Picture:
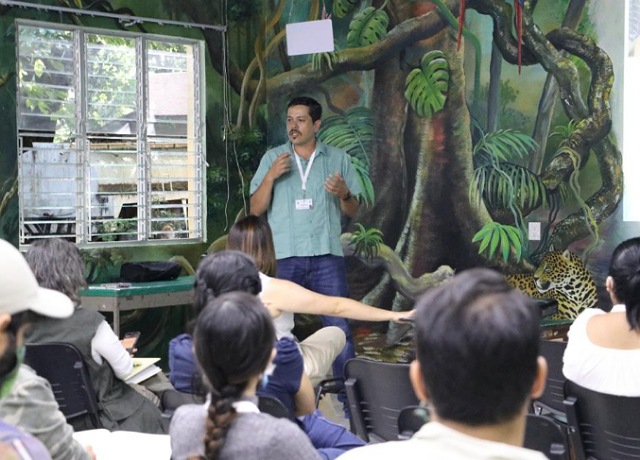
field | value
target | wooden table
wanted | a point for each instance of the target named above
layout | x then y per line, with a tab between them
117	297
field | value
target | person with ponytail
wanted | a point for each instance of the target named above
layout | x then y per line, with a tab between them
603	351
234	343
228	271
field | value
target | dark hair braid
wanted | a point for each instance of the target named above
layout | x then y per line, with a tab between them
233	341
220	415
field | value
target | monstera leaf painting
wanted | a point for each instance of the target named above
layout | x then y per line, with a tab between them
367	27
427	86
352	132
343	7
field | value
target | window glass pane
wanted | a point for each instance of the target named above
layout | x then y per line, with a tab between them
171	176
114	171
111	144
111	84
170	79
46	95
173	158
48	189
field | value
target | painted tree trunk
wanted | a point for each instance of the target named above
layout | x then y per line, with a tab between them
433	223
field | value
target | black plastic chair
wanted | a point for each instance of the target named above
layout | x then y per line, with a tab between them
334	385
552	400
62	365
377	392
602	426
410	420
274	407
545	435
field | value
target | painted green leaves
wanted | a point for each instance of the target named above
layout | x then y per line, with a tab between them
503	145
367	27
366	242
495	236
343	7
352	132
427	86
320	60
503	185
362	175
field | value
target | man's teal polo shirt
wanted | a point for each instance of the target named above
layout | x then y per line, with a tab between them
308	232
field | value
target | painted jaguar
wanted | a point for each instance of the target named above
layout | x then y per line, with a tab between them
561	275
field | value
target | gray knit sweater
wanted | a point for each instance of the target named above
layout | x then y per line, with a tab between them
251	436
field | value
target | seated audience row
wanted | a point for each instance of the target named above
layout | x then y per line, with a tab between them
477	370
228	271
477	365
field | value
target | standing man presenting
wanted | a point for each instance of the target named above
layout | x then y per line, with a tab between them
305	187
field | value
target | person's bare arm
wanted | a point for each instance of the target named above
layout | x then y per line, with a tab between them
349	206
261	198
282	295
305	398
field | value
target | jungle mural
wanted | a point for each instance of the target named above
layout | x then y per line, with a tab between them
457	167
465	121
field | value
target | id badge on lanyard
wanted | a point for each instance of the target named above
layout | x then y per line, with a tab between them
304	204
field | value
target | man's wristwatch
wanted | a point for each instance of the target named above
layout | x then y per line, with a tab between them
347	197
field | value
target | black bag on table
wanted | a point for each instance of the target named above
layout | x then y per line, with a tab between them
137	272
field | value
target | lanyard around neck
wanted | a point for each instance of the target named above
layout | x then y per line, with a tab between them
304	175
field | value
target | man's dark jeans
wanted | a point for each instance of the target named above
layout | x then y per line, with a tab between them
325	275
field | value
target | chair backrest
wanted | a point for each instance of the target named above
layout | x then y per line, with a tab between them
602	426
273	406
410	420
62	365
552	400
545	435
377	392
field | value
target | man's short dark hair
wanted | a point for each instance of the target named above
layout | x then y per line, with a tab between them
315	109
477	344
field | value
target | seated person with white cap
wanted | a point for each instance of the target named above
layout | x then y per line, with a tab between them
26	400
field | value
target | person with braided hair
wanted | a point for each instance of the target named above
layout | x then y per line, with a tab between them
603	351
234	343
228	271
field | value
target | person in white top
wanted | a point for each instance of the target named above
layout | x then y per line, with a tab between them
252	235
477	369
603	351
57	265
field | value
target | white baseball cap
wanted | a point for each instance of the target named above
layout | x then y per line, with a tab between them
19	290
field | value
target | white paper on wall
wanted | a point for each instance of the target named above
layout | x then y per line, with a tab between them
309	37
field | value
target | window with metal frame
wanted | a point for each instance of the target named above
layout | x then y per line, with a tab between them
111	138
